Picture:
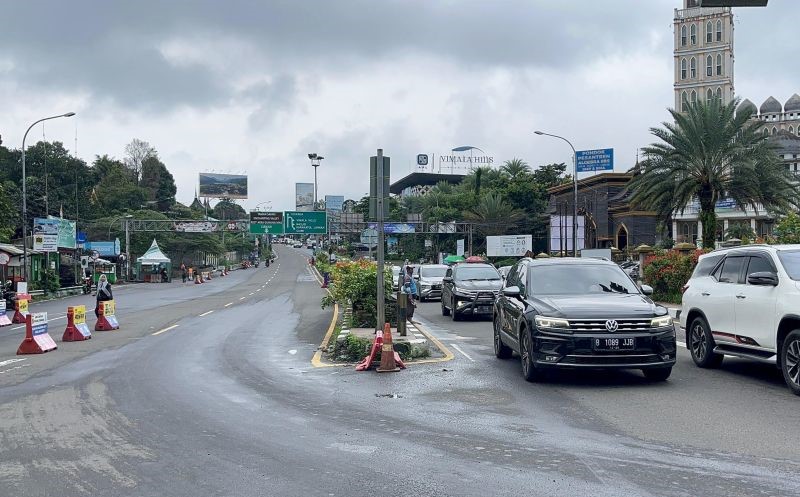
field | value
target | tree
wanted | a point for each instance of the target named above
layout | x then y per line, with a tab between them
740	231
136	152
227	209
515	169
493	215
551	175
788	229
158	184
708	154
9	213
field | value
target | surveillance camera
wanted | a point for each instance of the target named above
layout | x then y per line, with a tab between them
312	156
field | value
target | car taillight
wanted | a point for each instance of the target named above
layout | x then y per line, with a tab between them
684	288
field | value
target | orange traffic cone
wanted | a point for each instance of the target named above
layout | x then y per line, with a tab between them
388	364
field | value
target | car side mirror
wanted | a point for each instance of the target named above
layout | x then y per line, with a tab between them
447	279
764	278
511	291
647	290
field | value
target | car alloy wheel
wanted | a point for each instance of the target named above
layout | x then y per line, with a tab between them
501	351
701	345
526	356
790	361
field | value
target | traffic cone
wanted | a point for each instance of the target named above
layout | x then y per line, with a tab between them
376	345
388	364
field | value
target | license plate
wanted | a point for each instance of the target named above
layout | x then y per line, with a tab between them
485	309
614	343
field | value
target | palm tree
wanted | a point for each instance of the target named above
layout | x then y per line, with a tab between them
493	215
708	154
515	168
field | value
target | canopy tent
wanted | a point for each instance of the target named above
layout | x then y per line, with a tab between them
157	260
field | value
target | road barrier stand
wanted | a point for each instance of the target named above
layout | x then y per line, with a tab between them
106	316
77	330
210	274
4	321
37	340
20	311
197	279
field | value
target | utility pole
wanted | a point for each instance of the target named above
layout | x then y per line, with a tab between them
381	318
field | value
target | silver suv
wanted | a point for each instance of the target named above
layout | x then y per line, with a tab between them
745	301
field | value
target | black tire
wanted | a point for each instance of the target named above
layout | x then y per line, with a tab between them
529	370
445	310
701	344
657	374
790	361
501	350
453	312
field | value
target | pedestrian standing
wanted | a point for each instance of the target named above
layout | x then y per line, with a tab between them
103	293
183	273
410	289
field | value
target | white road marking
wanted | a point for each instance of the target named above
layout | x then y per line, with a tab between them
253	293
293	351
229	304
681	344
15	367
462	352
258	290
242	298
206	313
10	361
165	329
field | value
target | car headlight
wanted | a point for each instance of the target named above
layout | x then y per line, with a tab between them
661	321
545	322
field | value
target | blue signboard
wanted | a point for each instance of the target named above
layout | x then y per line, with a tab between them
394	227
111	249
595	160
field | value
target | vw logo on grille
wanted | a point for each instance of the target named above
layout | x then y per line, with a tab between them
612	325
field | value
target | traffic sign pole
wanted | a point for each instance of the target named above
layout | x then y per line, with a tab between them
381	318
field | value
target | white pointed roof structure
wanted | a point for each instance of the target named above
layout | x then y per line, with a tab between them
154	255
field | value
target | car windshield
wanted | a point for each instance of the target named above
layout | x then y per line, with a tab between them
579	279
790	259
470	273
432	272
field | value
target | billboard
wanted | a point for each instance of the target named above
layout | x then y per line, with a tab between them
304	197
595	160
334	202
45	234
508	245
66	233
214	185
561	233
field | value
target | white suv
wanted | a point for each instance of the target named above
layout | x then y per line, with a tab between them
745	301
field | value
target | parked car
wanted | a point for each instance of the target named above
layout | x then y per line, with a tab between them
396	270
470	288
743	302
297	245
429	280
581	313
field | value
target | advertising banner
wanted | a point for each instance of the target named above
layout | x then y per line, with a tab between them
107	249
460	247
214	185
508	245
595	160
304	197
45	234
109	309
561	233
334	203
195	226
394	228
67	233
22	306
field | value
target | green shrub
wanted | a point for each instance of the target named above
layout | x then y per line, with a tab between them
667	272
355	282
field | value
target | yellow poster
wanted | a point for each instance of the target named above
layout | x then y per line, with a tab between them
23	305
79	314
109	308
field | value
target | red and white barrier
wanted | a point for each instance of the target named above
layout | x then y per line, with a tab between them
77	330
37	339
106	318
20	311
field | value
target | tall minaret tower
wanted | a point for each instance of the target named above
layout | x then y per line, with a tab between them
703	54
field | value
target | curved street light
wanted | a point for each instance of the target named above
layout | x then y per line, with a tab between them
574	191
25	192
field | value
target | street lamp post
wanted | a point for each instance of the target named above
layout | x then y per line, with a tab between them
127	218
315	159
24	195
574	191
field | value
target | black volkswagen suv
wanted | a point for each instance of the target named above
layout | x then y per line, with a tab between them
470	288
581	313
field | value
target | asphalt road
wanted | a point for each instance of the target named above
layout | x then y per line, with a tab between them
226	403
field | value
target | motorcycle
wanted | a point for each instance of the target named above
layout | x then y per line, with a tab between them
258	263
87	285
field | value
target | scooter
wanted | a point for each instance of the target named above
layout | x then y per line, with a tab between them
87	285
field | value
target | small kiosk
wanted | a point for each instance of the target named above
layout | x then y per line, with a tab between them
153	265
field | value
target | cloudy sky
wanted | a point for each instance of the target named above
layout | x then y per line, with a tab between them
254	86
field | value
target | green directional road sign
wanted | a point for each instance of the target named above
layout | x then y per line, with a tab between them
266	223
305	223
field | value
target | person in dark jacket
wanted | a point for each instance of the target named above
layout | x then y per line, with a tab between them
103	293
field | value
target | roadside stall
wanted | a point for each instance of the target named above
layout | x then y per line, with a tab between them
154	266
106	267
